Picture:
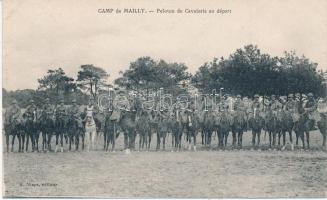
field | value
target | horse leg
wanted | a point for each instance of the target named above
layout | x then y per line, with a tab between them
226	138
302	138
258	133
234	138
279	136
125	140
19	136
270	138
70	141
140	141
194	140
240	137
307	134
27	141
13	142
57	141
49	140
158	141
104	140
253	138
23	141
164	141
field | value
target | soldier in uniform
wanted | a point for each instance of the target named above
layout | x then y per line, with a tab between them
238	104
47	108
311	108
275	105
256	106
12	113
74	110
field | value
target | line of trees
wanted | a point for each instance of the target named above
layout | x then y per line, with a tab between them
246	71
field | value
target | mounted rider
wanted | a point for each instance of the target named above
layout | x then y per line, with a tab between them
275	106
12	113
256	106
310	107
47	108
61	110
74	110
31	111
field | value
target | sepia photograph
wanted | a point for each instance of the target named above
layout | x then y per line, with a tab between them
164	99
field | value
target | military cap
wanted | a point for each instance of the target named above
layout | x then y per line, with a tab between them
61	100
256	96
31	101
47	99
14	101
290	95
310	94
273	95
238	96
74	101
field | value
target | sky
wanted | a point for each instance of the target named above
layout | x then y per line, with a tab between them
46	34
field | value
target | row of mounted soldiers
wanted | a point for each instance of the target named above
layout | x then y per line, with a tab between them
275	116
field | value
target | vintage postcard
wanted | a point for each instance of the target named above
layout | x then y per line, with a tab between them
164	98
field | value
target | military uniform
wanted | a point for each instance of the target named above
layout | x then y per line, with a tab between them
311	107
74	111
61	111
12	113
31	111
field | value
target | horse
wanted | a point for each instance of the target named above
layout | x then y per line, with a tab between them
16	127
239	124
60	130
209	127
46	125
110	129
303	125
143	129
287	125
128	124
256	124
176	129
31	131
75	129
162	131
322	125
272	125
200	116
223	129
192	130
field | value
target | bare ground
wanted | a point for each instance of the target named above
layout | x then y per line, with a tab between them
164	174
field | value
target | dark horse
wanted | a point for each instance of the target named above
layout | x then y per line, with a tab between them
209	127
238	126
256	124
60	130
273	126
75	130
46	126
193	128
223	129
128	124
110	129
163	127
287	125
32	131
16	127
322	125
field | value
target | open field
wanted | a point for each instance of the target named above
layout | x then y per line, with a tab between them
230	173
